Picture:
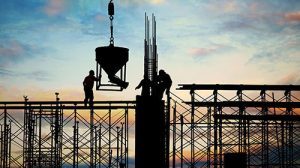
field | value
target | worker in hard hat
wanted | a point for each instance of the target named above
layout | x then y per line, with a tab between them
145	84
88	85
164	83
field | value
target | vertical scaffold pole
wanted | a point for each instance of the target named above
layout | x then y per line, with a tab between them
240	138
167	136
96	147
9	145
118	146
215	93
126	136
290	131
109	137
192	129
100	147
40	137
5	136
75	138
220	138
1	146
181	141
92	138
174	137
122	164
208	136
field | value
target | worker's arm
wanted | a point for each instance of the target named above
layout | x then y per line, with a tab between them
84	83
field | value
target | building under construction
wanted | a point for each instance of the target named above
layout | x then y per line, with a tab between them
217	126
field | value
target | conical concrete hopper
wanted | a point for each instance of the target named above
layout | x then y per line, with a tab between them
111	58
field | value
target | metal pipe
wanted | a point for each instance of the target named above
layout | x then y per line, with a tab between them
174	136
181	141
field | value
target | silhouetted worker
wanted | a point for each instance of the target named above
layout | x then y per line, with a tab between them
145	84
164	83
88	85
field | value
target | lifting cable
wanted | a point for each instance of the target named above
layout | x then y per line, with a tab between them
111	13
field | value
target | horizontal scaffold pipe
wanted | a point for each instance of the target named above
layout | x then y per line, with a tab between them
237	87
68	107
258	117
66	102
247	104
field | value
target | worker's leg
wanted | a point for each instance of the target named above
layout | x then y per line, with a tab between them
86	97
91	103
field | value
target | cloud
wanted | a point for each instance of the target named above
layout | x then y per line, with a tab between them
198	52
140	2
237	25
13	51
203	52
292	78
293	17
54	7
38	75
5	72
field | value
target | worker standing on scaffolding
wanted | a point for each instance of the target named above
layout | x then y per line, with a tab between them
164	83
145	84
88	85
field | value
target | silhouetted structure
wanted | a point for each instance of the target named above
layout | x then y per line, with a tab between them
43	150
152	140
206	130
235	160
55	134
258	120
112	60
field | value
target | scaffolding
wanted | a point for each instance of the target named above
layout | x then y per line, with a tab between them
260	124
65	134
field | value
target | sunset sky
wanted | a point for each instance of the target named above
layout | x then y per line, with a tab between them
48	46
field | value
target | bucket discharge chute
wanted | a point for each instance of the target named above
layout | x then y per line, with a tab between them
112	60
